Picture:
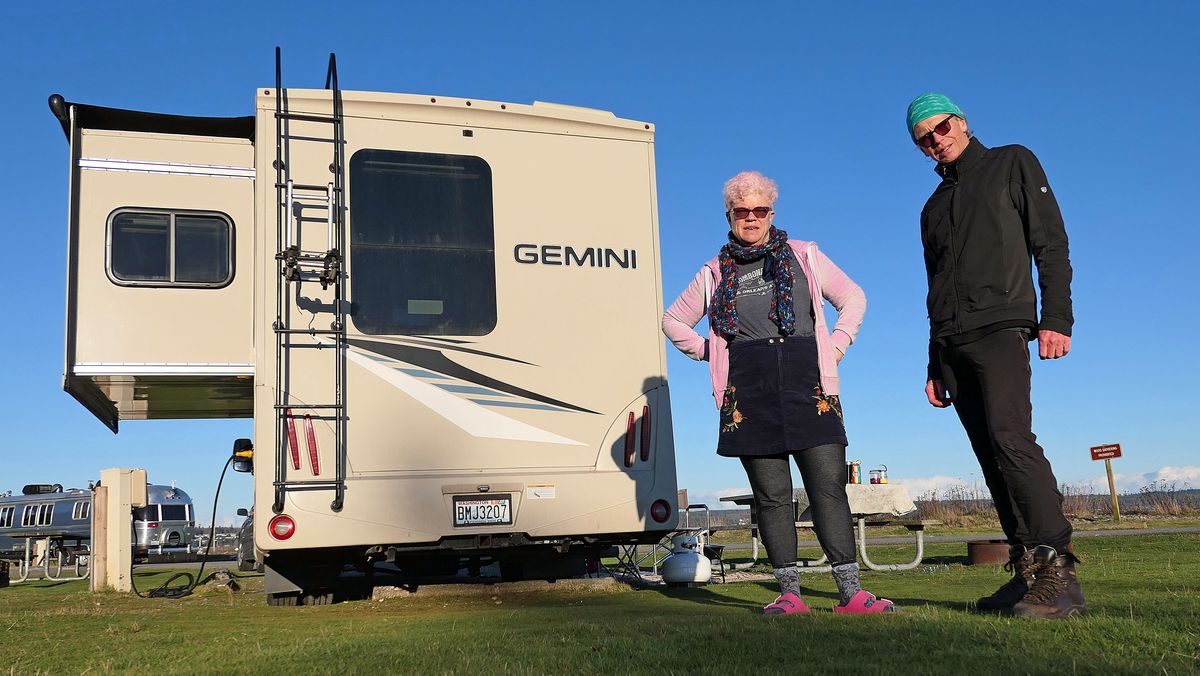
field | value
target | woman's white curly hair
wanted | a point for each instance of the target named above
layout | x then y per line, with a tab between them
749	183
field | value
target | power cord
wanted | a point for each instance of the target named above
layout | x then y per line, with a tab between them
165	590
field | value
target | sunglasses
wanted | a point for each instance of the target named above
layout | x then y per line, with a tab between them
942	129
741	213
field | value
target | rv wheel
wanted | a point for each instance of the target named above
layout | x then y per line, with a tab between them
322	598
289	599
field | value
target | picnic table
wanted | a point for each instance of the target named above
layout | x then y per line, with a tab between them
870	505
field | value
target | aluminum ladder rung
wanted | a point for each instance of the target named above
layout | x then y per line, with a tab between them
306	117
311	332
308	186
309	407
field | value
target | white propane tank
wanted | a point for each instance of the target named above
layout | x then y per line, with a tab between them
686	566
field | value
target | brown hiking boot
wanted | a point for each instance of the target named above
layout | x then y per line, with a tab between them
1003	599
1055	593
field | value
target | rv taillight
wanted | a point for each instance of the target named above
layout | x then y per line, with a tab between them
660	511
152	524
629	440
645	433
311	438
292	443
282	527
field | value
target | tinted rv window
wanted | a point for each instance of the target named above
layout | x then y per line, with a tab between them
422	250
6	517
147	513
169	248
174	512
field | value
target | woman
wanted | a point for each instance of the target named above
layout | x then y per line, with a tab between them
774	374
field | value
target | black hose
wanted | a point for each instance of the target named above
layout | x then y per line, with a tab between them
165	590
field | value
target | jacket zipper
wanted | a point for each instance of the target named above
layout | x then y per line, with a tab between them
954	256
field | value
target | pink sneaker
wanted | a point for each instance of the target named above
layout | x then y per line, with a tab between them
865	603
786	604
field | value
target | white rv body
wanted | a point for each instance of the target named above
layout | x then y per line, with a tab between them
501	359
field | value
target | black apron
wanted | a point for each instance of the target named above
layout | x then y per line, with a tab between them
774	402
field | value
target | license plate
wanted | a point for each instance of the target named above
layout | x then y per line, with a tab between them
482	510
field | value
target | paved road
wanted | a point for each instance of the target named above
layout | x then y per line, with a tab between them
968	537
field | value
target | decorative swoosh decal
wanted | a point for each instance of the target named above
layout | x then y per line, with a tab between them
432	360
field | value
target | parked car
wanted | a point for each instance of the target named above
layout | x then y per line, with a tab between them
247	557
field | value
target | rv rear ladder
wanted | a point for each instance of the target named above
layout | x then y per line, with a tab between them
296	265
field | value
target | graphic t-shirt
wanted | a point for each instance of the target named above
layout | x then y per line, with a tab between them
756	288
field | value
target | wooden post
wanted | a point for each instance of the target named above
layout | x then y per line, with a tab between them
1112	490
99	561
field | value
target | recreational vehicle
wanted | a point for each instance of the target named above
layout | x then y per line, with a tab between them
441	313
165	525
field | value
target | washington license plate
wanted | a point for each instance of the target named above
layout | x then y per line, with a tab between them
482	510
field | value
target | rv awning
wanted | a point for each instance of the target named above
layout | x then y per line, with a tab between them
99	117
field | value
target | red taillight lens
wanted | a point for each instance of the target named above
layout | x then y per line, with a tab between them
282	527
629	440
152	525
660	511
291	436
311	438
645	433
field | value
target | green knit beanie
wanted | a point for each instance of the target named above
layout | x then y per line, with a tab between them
928	105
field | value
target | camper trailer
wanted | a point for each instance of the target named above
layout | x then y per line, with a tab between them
165	525
441	313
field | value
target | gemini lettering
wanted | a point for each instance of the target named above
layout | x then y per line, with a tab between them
587	257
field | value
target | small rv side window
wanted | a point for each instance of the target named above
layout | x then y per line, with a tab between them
147	513
29	515
170	248
422	244
6	517
80	510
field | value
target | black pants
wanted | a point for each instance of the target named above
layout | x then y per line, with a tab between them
989	382
823	469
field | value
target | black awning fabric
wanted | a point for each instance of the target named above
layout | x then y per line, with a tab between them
99	117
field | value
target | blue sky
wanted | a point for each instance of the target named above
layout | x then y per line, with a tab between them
813	96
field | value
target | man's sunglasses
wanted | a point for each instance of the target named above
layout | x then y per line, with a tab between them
741	213
942	129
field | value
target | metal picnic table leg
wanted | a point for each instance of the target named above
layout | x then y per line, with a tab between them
919	534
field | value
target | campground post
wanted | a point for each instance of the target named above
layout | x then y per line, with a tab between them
1106	453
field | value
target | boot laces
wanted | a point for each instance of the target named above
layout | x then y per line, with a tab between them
1047	583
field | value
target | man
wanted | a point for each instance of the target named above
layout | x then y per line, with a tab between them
991	213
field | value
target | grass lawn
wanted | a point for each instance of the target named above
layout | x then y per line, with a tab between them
1144	594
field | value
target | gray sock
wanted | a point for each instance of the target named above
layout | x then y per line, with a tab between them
846	577
789	579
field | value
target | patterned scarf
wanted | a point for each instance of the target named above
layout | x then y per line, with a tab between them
779	260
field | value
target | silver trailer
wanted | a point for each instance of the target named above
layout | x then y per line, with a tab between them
165	525
441	313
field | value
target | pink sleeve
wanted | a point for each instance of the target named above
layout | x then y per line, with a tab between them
846	297
679	319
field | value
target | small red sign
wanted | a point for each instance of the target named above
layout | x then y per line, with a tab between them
1106	451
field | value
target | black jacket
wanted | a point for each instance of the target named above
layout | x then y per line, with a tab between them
992	212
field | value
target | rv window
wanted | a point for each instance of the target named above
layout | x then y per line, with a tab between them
147	513
29	515
174	512
6	517
46	514
422	244
80	510
168	248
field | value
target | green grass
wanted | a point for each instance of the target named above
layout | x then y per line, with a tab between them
1144	594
